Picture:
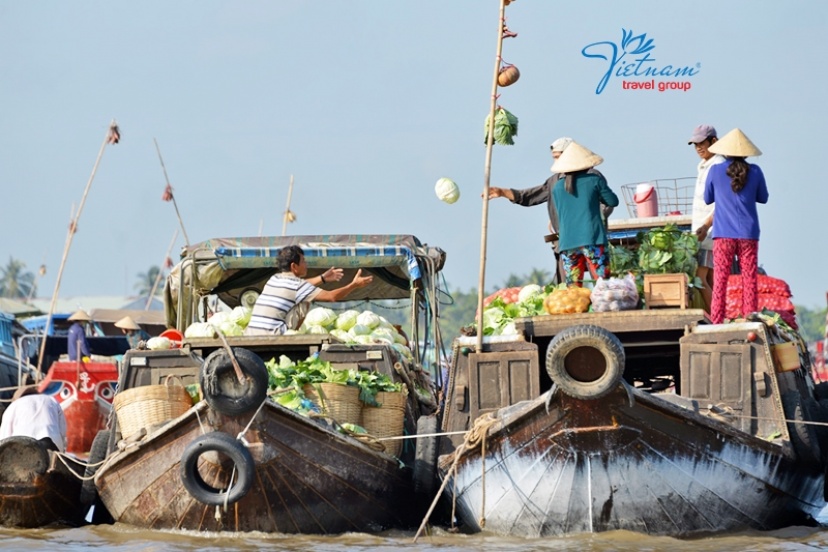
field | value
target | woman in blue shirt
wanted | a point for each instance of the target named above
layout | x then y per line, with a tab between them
736	187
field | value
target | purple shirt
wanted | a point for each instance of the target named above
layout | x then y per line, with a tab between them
735	215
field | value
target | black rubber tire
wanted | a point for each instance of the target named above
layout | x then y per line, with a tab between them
223	443
803	436
221	387
425	457
89	493
586	361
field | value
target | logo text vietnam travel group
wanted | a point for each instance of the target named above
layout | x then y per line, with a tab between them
632	59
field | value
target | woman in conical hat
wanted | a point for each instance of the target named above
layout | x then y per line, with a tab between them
132	331
736	187
578	195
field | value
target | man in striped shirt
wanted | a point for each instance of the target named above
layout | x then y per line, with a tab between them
286	297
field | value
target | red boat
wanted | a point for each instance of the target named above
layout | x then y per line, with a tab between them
84	391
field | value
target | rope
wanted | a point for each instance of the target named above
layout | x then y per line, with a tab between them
240	436
473	439
63	457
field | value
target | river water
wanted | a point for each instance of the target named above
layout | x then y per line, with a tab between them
124	538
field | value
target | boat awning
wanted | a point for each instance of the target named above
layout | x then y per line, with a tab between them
341	251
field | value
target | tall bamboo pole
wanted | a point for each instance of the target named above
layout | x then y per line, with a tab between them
112	137
288	214
161	271
487	176
172	196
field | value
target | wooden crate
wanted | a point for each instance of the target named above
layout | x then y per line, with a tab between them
666	290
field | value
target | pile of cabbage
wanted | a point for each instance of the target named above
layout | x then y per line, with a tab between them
352	326
228	323
499	315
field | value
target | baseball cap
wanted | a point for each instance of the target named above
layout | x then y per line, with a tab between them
702	133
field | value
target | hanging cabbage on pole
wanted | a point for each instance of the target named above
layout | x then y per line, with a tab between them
505	127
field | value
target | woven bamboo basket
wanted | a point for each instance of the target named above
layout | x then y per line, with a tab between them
142	407
340	402
387	420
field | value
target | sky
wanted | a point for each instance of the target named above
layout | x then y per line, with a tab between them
367	104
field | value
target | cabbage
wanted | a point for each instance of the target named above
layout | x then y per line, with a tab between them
447	190
314	329
383	334
509	329
200	329
403	350
368	318
241	316
158	343
386	324
363	339
290	332
320	316
229	328
342	335
360	329
529	291
399	338
219	318
346	320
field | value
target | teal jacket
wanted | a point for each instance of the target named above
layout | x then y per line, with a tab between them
580	213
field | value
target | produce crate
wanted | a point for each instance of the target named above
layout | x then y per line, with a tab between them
666	290
786	356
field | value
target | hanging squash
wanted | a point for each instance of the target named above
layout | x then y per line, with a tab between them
508	74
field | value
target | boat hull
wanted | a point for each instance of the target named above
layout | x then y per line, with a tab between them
308	479
629	461
31	500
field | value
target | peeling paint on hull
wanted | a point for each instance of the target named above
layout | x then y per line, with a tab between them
614	464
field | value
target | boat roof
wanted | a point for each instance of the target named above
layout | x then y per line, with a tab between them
227	267
324	251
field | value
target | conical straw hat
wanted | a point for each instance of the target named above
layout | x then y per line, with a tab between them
735	144
576	158
127	323
80	316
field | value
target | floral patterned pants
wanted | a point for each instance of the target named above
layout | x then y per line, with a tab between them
723	251
590	257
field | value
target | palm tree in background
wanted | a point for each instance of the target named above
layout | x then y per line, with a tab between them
539	276
146	280
15	282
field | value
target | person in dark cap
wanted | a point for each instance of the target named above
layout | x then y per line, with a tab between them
76	339
702	138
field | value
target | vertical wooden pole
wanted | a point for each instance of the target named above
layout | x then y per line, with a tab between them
112	136
486	179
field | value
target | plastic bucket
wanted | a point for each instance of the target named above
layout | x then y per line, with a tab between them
646	200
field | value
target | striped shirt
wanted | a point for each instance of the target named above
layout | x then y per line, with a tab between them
279	306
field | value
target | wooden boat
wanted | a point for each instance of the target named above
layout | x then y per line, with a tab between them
653	421
84	391
36	488
263	467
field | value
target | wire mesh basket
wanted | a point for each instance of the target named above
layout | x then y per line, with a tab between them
675	196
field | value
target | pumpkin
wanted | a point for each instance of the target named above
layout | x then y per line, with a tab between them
508	75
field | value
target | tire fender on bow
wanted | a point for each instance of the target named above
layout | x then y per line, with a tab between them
221	387
586	361
243	466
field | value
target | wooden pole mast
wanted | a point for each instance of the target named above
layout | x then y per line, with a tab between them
113	136
486	179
